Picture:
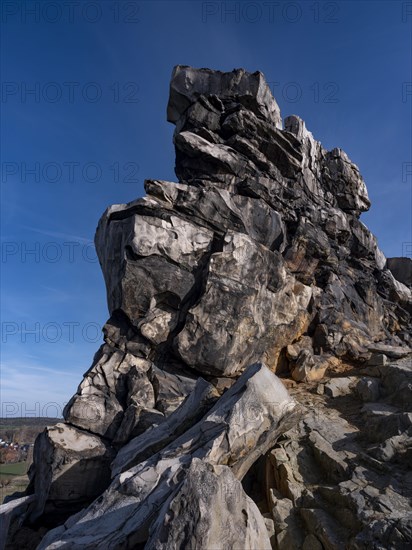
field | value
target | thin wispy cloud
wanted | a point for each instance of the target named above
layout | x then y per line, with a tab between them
58	234
31	390
20	366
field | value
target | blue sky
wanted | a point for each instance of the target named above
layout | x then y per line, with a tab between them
83	123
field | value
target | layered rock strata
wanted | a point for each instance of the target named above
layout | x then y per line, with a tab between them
254	265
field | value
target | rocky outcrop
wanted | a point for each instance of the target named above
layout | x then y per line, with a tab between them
253	266
243	424
342	477
260	241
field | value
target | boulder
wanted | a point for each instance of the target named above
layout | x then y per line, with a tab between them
307	367
71	468
338	387
226	515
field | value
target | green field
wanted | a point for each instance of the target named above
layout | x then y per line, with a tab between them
13	478
10	470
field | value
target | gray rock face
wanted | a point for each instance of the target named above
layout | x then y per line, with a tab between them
250	90
239	428
255	255
72	467
226	515
250	285
203	267
342	476
190	411
401	269
344	181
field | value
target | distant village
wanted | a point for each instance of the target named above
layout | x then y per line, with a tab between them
12	451
17	436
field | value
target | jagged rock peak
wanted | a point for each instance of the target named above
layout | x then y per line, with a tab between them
249	89
229	128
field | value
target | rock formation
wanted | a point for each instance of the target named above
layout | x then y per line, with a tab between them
252	274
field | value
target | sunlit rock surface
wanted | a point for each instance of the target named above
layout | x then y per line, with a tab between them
251	274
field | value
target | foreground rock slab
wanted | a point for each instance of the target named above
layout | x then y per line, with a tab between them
243	424
72	468
225	516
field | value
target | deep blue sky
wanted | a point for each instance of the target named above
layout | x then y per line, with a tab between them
344	67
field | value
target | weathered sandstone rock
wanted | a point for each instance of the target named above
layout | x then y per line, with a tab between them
243	424
257	254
